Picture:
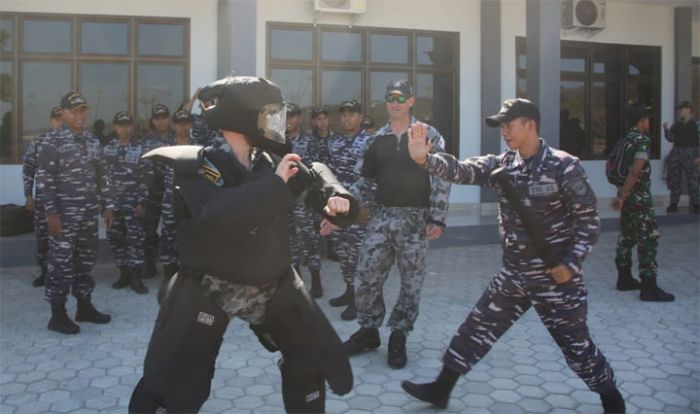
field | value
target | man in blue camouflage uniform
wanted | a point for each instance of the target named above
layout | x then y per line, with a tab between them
685	136
411	210
304	234
75	189
200	133
553	185
32	198
638	219
342	155
129	175
161	135
182	120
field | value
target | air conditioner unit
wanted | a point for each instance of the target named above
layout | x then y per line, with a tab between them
583	14
340	6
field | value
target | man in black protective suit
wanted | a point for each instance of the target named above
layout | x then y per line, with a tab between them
231	206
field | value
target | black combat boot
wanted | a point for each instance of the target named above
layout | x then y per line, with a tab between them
363	340
612	400
316	288
136	283
673	208
87	312
149	268
40	280
346	298
60	322
396	357
437	392
652	293
124	278
625	281
169	270
350	313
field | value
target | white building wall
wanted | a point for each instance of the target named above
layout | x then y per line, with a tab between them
446	15
627	23
203	19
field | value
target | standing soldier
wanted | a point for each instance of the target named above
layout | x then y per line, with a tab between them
182	120
129	176
201	133
412	208
74	188
32	196
685	136
160	135
637	218
305	237
554	186
343	154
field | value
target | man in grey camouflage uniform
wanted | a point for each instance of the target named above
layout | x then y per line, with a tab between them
553	185
200	132
685	136
342	155
129	176
32	197
411	210
304	235
75	189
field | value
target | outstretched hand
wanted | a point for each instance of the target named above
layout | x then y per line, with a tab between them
287	168
418	144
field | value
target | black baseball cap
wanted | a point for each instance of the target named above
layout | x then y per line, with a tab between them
350	105
293	109
367	122
636	112
318	110
513	109
159	110
399	86
684	104
55	112
123	118
183	116
73	100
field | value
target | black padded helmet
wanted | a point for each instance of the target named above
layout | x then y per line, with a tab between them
248	105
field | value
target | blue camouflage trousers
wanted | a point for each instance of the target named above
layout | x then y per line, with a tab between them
305	238
346	245
562	309
126	238
168	237
679	163
393	234
151	219
72	255
41	232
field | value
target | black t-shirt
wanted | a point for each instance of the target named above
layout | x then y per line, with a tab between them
685	134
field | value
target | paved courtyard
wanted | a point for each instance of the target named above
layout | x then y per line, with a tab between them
653	347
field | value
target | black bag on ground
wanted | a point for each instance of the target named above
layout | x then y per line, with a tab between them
15	219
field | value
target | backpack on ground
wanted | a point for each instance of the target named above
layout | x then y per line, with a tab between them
616	169
15	219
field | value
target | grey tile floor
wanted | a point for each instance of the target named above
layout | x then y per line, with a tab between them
652	347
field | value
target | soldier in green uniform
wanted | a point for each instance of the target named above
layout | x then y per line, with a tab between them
637	219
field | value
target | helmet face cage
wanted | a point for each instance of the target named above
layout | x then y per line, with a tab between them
272	122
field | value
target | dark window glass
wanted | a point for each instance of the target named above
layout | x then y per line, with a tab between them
434	51
6	107
46	36
43	85
521	88
378	82
641	62
161	39
521	53
340	85
389	49
435	104
606	119
573	59
291	44
104	38
572	119
105	98
341	47
159	84
607	60
296	85
7	37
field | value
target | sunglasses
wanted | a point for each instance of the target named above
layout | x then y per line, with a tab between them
395	98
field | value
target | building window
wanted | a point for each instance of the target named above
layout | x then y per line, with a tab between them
117	63
326	64
597	83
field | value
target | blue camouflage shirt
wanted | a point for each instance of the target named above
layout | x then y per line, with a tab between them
128	173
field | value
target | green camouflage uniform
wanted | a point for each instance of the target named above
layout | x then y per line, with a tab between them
638	220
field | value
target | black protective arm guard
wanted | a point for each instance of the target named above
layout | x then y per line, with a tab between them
527	217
